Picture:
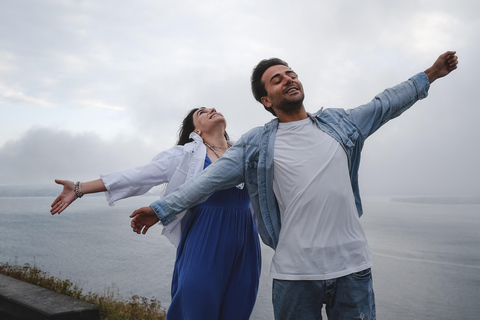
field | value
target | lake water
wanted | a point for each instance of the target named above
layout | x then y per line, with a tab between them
426	256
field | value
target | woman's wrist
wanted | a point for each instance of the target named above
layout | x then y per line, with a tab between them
78	190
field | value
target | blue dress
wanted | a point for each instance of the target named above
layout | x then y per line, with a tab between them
218	262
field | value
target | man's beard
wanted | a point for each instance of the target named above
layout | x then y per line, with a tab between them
289	106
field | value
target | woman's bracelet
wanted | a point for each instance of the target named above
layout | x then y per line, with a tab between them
78	190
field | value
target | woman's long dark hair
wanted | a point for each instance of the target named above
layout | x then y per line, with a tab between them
188	127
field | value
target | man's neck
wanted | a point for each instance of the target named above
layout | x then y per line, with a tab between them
289	117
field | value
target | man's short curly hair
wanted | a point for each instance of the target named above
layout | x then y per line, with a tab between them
258	87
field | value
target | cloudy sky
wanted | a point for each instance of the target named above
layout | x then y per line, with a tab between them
89	87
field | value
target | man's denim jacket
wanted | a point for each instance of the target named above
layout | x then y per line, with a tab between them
250	161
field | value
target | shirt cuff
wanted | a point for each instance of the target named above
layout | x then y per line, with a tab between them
163	212
422	84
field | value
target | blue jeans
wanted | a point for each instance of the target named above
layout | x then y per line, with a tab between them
348	297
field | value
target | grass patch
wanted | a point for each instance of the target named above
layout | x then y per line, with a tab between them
110	304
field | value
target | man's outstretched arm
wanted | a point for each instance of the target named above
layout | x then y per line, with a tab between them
224	173
445	64
392	102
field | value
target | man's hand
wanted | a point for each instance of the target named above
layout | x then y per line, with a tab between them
143	219
445	64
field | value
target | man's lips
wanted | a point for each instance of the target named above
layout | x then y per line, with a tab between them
292	89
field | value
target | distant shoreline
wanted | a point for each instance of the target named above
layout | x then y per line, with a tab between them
439	199
47	190
53	190
39	190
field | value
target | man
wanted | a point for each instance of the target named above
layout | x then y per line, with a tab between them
301	171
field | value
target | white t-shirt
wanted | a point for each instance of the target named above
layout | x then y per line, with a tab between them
321	236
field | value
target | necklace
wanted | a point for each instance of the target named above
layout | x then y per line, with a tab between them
212	148
221	148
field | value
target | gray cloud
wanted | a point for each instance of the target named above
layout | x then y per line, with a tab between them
86	75
42	155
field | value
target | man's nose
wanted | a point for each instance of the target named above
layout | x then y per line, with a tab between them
289	79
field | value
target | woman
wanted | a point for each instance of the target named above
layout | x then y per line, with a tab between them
218	261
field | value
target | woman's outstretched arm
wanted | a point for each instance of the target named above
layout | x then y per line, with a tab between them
69	195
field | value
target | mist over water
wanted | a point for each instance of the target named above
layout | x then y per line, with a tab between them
426	257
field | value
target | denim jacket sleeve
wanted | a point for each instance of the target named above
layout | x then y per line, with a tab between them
389	104
224	173
351	127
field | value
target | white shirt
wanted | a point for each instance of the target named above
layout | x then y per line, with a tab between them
321	236
175	166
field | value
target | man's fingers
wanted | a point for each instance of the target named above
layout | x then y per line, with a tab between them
452	62
136	226
134	214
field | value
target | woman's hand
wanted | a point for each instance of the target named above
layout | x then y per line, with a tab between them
65	198
143	219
